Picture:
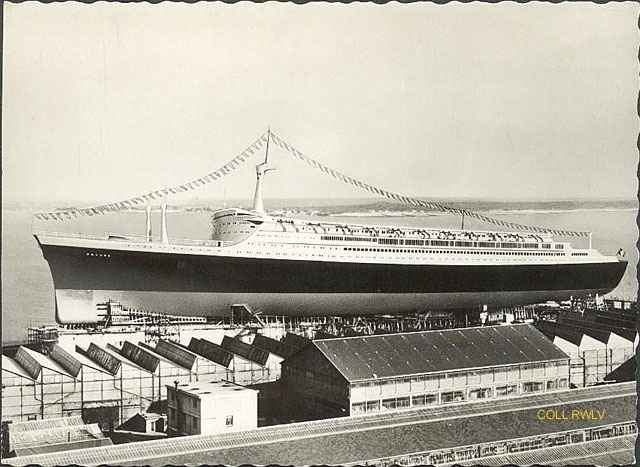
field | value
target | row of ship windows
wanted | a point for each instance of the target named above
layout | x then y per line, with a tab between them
230	223
396	250
102	255
509	253
233	232
353	239
395	241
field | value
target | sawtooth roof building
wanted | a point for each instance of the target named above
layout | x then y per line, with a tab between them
355	375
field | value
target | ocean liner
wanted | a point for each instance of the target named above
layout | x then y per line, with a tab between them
282	266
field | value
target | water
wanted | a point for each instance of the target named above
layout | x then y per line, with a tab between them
27	287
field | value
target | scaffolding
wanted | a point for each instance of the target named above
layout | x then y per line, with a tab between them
42	338
161	329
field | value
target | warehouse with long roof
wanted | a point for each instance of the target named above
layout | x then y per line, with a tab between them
365	374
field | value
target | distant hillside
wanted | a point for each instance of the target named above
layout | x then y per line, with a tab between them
363	205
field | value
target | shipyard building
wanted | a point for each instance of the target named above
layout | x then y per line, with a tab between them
210	407
368	374
598	340
110	382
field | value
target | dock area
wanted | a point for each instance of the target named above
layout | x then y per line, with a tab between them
116	378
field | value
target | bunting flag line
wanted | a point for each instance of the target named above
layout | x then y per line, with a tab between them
254	149
226	169
414	201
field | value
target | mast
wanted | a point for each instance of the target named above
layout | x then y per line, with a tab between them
261	169
164	237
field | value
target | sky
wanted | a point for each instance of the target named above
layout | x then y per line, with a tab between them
106	101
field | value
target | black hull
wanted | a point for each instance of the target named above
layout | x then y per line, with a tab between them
79	269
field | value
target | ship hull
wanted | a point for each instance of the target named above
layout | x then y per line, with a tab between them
199	285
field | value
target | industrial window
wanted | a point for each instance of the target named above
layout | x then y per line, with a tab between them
552	384
229	420
423	399
402	402
373	406
505	391
532	386
389	404
453	396
480	393
359	407
395	403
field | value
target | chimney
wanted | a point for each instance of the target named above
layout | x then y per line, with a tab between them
163	220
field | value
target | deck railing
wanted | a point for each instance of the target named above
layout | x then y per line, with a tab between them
133	238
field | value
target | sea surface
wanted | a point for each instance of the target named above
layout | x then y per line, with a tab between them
27	287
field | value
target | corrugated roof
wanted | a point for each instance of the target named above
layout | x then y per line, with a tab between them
102	357
273	346
244	350
46	424
384	356
569	333
81	355
61	434
61	447
356	439
606	451
65	360
582	325
210	351
115	352
10	365
41	360
176	354
140	356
